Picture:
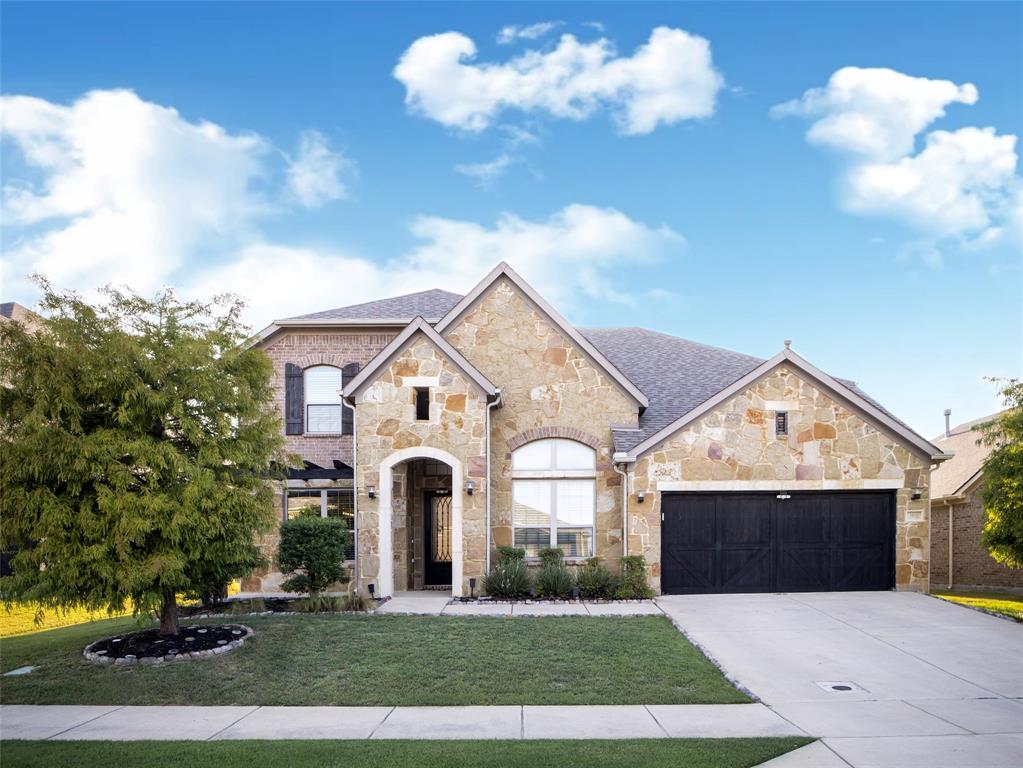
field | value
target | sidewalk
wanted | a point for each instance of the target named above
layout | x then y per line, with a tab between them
64	722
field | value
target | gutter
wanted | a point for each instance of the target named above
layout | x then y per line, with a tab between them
490	407
621	459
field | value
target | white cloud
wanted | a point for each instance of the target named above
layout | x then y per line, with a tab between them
668	79
570	256
875	112
127	188
315	173
512	32
961	185
486	173
960	182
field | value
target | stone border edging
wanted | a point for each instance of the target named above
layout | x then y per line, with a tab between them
189	656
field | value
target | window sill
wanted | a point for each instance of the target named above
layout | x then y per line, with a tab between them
321	434
580	560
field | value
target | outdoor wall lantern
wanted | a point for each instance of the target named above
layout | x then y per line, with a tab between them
372	588
470	486
641	496
371	491
472	587
916	493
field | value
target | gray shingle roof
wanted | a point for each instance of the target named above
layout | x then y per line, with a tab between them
432	305
677	375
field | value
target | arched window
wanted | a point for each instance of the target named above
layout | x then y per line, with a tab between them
554	497
322	401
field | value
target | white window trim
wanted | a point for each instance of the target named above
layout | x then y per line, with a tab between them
553	475
306	403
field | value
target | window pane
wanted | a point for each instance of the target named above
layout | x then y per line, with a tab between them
575	499
321	385
573	455
532	540
323	418
531	502
303	504
534	455
341	504
576	542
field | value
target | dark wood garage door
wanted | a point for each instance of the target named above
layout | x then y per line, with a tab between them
758	542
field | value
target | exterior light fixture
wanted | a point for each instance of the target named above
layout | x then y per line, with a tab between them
470	486
916	493
641	496
472	587
783	496
371	491
575	593
372	588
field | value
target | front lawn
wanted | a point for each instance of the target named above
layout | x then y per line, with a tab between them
649	753
1006	603
386	660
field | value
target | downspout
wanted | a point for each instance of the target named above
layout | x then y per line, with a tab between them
618	460
490	407
355	493
950	508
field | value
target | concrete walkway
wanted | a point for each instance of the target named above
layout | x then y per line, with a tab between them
428	603
888	679
74	723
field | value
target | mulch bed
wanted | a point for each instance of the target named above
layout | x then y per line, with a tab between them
149	646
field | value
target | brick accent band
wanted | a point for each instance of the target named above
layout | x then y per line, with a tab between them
540	433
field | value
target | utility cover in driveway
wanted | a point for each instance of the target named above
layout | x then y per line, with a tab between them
769	542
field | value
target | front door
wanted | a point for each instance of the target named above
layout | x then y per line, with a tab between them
437	538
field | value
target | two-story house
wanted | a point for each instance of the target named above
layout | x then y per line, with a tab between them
442	426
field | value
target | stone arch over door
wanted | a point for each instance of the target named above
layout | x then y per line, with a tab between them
385	578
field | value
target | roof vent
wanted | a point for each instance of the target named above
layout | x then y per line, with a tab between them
948	429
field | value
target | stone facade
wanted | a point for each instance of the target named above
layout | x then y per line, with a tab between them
827	446
386	425
972	566
549	388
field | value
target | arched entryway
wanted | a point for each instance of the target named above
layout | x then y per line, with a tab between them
390	468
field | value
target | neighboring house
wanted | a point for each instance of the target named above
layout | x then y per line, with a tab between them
470	422
957	515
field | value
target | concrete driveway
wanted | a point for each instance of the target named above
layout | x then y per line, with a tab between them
930	683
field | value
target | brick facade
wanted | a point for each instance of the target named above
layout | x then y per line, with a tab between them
972	566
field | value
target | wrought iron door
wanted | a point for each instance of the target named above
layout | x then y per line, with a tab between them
437	538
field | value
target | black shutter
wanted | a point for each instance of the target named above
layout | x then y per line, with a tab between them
348	373
294	397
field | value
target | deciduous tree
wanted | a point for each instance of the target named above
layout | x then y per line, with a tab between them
1003	479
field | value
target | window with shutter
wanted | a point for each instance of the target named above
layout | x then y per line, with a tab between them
322	400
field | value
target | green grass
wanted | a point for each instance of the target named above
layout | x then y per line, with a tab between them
1005	603
387	660
649	753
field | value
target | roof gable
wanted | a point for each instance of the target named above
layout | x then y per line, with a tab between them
965	468
832	386
392	350
581	342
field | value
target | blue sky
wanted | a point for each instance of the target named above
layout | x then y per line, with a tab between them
271	150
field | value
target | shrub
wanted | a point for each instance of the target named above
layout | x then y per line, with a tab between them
511	553
354	600
551	556
320	604
509	579
554	580
252	605
633	584
312	548
595	581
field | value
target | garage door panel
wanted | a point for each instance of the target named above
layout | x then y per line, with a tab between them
755	542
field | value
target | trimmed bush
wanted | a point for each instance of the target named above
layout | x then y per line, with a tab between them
312	549
508	579
551	556
633	585
511	553
595	581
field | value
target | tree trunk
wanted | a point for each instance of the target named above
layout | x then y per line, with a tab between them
169	615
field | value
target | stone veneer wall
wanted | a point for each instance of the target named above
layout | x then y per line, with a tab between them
828	446
306	348
385	422
972	566
546	384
